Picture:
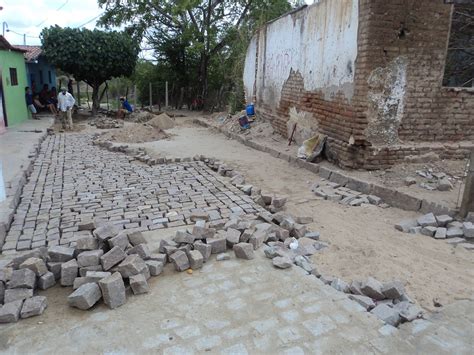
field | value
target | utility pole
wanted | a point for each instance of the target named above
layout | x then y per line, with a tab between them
135	102
166	97
78	94
467	204
151	99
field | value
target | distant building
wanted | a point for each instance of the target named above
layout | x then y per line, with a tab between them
13	80
39	71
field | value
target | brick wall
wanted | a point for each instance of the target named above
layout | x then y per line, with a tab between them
431	119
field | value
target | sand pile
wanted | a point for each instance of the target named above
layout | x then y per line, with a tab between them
162	121
135	133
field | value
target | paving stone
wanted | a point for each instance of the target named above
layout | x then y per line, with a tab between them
60	254
386	314
120	240
232	237
55	268
136	238
429	231
199	215
393	289
113	290
467	246
155	267
200	232
10	311
16	294
372	288
23	278
443	220
69	272
468	229
36	265
278	202
89	258
340	285
86	225
427	220
244	251
33	306
182	236
84	270
87	243
408	311
138	284
46	281
196	259
158	257
454	232
282	262
180	260
307	266
112	258
364	301
218	244
204	249
440	233
85	296
106	231
132	265
405	225
142	250
257	239
2	292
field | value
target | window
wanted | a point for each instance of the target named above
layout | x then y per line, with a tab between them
13	77
41	77
459	69
49	77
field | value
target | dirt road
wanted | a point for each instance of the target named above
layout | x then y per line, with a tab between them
363	241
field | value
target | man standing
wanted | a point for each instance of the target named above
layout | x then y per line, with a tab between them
29	103
65	103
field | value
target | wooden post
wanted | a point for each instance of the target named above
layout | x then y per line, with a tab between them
151	99
135	101
467	204
78	94
166	95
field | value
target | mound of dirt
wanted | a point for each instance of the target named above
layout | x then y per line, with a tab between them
135	133
140	116
162	121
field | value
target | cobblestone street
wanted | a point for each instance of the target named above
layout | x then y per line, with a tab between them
230	307
74	180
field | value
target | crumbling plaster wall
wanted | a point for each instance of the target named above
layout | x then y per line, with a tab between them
319	41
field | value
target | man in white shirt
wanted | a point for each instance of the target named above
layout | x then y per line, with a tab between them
65	103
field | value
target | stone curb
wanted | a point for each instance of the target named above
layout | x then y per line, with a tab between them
14	189
390	196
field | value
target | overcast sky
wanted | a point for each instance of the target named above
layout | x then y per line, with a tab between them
30	16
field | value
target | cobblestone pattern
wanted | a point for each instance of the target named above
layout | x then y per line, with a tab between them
73	181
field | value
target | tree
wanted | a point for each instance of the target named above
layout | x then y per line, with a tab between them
189	34
91	56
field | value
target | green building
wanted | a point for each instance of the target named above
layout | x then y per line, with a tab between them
13	108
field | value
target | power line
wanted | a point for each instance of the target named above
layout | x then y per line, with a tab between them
59	8
89	21
21	34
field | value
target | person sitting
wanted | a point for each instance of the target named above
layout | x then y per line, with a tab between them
42	107
46	101
30	104
53	96
125	108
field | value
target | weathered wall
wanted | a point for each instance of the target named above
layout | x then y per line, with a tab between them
391	105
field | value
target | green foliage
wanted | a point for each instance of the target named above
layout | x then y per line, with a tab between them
90	56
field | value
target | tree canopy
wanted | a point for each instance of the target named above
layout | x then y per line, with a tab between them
197	41
92	56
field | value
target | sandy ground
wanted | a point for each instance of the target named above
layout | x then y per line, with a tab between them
394	177
363	241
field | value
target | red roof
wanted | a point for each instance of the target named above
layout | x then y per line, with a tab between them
4	44
32	52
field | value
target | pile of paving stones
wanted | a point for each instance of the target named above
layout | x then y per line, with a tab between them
387	301
434	180
440	227
333	191
106	123
99	265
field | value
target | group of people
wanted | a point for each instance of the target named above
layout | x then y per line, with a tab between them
58	104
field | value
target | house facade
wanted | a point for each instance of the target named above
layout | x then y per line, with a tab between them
375	76
39	71
13	81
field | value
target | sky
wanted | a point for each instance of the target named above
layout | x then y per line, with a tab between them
31	16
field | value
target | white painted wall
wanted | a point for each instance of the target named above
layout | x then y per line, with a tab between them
249	70
319	41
